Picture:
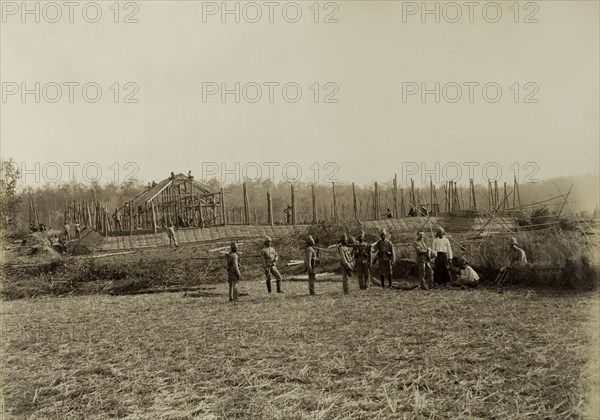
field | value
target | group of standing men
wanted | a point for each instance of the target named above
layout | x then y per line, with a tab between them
358	257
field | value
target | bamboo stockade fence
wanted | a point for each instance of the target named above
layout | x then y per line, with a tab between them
184	202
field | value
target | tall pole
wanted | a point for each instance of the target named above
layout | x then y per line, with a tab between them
335	209
395	193
354	207
269	207
314	203
293	204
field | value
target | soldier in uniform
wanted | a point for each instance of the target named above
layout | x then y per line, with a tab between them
288	214
233	272
310	262
77	230
270	258
67	230
346	262
117	218
171	234
362	261
386	257
517	258
423	258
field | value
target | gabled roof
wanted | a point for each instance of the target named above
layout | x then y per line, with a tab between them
150	194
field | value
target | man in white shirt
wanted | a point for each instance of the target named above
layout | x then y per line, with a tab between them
443	251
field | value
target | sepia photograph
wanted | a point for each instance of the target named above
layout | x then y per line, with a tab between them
309	209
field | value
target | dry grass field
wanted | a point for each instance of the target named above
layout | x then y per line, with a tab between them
379	353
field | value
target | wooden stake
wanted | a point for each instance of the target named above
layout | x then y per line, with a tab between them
314	203
334	210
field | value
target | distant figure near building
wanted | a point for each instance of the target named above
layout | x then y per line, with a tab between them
233	272
117	218
517	258
67	232
423	259
362	261
346	262
171	234
386	257
270	258
288	214
310	263
388	213
443	254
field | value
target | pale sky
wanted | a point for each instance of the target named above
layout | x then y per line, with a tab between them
368	55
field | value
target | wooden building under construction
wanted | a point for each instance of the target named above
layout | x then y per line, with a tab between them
179	199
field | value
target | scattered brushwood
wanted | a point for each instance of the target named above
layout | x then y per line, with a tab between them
563	260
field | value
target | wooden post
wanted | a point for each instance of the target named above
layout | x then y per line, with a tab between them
473	192
269	207
431	205
314	203
334	209
130	218
200	215
376	202
154	224
222	197
496	196
354	207
293	197
105	212
413	201
402	205
395	195
246	204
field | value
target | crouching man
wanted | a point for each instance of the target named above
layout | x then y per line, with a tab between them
463	274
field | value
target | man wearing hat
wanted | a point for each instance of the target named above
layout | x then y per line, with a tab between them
362	260
386	256
346	262
423	259
270	258
443	254
310	262
517	258
233	272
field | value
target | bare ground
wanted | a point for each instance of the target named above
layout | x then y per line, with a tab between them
374	354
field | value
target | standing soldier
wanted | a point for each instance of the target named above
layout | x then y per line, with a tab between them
362	261
233	272
171	234
117	218
345	262
310	262
288	214
77	230
423	258
67	230
386	257
270	258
